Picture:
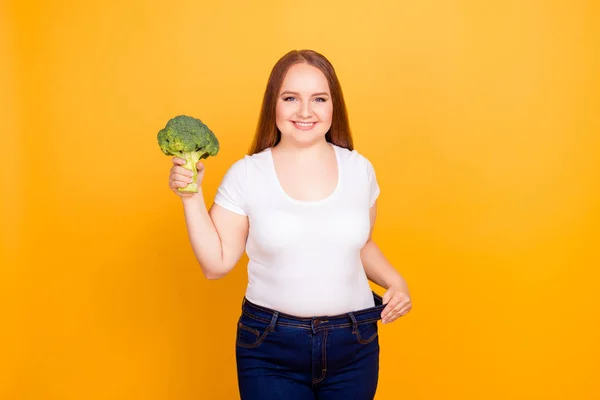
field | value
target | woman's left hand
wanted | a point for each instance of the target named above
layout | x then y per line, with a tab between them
398	304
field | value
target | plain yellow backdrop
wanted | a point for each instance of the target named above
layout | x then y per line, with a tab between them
480	117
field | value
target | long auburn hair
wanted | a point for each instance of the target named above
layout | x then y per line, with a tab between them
268	135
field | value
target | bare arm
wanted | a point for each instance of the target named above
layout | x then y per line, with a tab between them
217	236
378	269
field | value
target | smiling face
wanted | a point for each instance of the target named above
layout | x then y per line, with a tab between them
304	108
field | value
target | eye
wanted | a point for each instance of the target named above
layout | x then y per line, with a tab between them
320	100
290	98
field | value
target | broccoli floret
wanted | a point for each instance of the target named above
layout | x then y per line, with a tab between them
190	139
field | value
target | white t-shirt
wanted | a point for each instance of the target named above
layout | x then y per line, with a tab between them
304	256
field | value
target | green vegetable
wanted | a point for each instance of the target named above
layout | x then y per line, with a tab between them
190	139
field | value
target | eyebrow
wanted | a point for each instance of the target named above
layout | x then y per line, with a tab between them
297	94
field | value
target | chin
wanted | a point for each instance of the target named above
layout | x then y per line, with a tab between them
303	138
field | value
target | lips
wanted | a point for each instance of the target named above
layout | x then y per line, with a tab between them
304	125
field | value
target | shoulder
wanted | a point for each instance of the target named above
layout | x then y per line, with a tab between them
353	158
360	170
258	159
247	171
248	162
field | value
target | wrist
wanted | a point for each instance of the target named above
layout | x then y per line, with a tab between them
193	199
398	284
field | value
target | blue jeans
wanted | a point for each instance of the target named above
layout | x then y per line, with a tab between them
283	357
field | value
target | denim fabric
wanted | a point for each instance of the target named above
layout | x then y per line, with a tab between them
281	356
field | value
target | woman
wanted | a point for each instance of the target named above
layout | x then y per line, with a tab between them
302	205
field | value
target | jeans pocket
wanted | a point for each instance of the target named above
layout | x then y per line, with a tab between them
251	332
366	333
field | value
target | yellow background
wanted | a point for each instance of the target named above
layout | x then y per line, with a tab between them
480	117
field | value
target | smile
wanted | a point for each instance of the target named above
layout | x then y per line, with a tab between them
304	125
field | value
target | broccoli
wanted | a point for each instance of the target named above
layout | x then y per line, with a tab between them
190	139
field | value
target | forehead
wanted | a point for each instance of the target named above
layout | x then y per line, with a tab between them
305	78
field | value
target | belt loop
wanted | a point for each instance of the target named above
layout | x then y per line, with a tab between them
354	322
273	321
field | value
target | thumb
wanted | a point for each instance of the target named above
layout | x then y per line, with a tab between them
386	297
200	166
178	161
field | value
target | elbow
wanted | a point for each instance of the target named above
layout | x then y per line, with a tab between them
212	276
368	244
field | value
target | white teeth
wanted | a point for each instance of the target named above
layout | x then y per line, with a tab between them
305	124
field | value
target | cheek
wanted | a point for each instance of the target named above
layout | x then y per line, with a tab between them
278	111
326	113
282	112
281	116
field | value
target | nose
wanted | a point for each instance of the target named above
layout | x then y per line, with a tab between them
305	110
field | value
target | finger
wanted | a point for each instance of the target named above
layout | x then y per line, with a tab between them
404	310
387	296
182	171
178	184
385	314
393	312
181	178
200	166
390	307
391	319
178	161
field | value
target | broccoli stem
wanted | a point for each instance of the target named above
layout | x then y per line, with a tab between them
191	159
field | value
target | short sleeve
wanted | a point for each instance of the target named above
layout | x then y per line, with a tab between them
230	194
373	185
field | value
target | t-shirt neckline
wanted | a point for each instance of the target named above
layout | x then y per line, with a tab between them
308	202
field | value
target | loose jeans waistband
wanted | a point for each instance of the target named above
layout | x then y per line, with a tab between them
353	318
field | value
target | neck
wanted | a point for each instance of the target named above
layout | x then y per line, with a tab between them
315	149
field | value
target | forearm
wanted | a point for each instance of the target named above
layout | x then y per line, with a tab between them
204	238
379	270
